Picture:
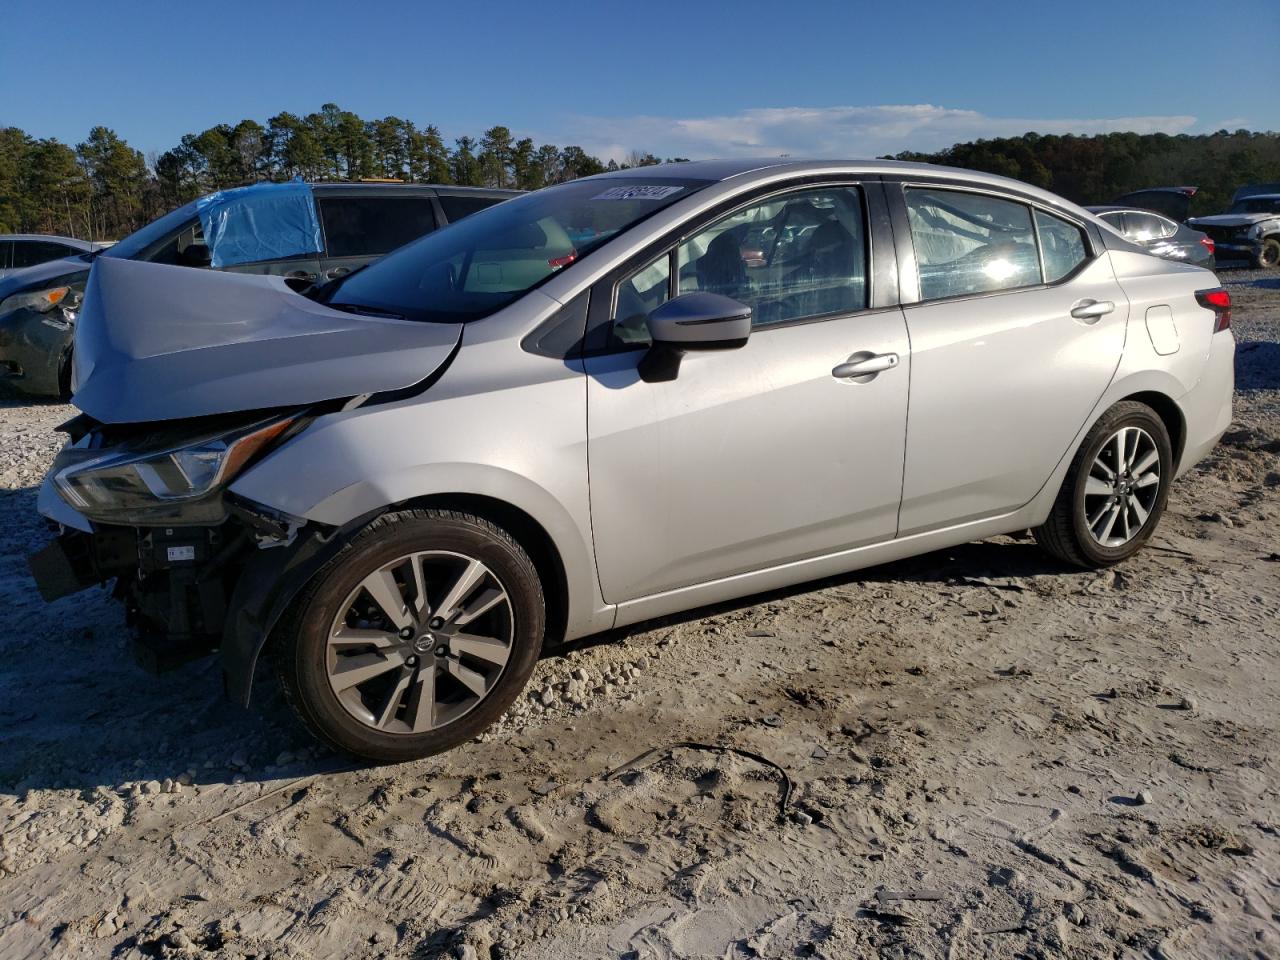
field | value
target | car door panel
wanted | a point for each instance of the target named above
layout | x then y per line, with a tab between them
749	458
1001	383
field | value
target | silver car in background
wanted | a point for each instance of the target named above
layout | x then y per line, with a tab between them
608	401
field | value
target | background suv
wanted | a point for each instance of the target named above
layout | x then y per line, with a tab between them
21	250
306	233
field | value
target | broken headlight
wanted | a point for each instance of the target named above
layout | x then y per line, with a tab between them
41	301
163	483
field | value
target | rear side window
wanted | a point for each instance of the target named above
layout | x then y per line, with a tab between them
6	247
372	226
1062	245
463	205
969	243
28	253
1147	226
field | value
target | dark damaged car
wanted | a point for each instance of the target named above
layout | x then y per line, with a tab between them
306	233
1250	230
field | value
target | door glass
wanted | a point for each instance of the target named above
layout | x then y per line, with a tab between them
28	253
1062	245
638	296
1140	227
791	257
457	206
372	226
970	243
5	247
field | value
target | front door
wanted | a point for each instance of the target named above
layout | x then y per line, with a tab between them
1018	334
763	455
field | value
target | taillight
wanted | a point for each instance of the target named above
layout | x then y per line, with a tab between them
1219	301
1208	243
564	261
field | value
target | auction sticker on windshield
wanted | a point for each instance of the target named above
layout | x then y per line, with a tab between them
646	192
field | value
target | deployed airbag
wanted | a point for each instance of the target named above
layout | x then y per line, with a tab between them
266	221
157	342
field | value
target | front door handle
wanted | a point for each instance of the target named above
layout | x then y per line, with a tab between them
865	365
1091	310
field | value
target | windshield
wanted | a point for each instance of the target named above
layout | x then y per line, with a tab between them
137	242
479	265
1257	205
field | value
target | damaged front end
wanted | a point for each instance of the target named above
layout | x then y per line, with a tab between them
162	525
187	379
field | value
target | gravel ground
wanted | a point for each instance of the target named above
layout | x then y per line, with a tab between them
989	755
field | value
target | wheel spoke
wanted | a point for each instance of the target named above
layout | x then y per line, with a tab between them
420	607
1139	510
1121	462
471	679
466	582
388	711
482	648
1145	464
485	602
1110	524
353	671
1101	512
346	636
420	709
382	586
1094	487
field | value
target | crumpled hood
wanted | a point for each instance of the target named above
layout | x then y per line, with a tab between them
1231	219
156	342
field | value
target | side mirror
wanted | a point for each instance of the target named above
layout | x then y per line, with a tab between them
692	321
195	255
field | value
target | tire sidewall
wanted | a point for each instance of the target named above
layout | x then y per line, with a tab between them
1095	552
305	650
1271	247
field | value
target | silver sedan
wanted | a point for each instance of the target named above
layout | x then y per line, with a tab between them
607	401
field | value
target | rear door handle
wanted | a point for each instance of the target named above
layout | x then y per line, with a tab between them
865	365
1091	309
337	272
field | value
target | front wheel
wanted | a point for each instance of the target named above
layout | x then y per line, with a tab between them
1269	256
1115	490
415	638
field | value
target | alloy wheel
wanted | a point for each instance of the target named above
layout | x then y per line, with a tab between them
1122	487
420	642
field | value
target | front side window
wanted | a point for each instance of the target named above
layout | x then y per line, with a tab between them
791	257
372	226
637	296
492	258
1062	245
969	243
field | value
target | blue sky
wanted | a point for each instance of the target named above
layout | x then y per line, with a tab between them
689	79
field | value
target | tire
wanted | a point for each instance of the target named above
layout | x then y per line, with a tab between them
337	631
1067	534
1268	257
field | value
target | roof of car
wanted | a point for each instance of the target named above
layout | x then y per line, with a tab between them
85	245
770	168
376	185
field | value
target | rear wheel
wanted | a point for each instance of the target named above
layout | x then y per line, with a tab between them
1115	490
416	637
1269	256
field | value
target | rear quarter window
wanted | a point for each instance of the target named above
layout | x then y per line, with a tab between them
458	206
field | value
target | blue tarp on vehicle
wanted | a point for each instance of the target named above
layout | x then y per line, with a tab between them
267	221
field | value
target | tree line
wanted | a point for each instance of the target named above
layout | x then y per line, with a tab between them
1097	169
103	188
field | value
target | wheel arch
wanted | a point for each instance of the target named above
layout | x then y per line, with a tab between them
1169	413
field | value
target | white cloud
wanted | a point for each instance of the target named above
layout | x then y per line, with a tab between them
865	131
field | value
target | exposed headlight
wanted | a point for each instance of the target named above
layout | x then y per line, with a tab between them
41	301
1256	230
175	483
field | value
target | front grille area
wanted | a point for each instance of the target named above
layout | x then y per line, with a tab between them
1225	234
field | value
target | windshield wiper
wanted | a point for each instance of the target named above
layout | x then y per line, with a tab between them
366	311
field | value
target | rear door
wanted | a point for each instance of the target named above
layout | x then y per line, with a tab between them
1017	332
362	226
